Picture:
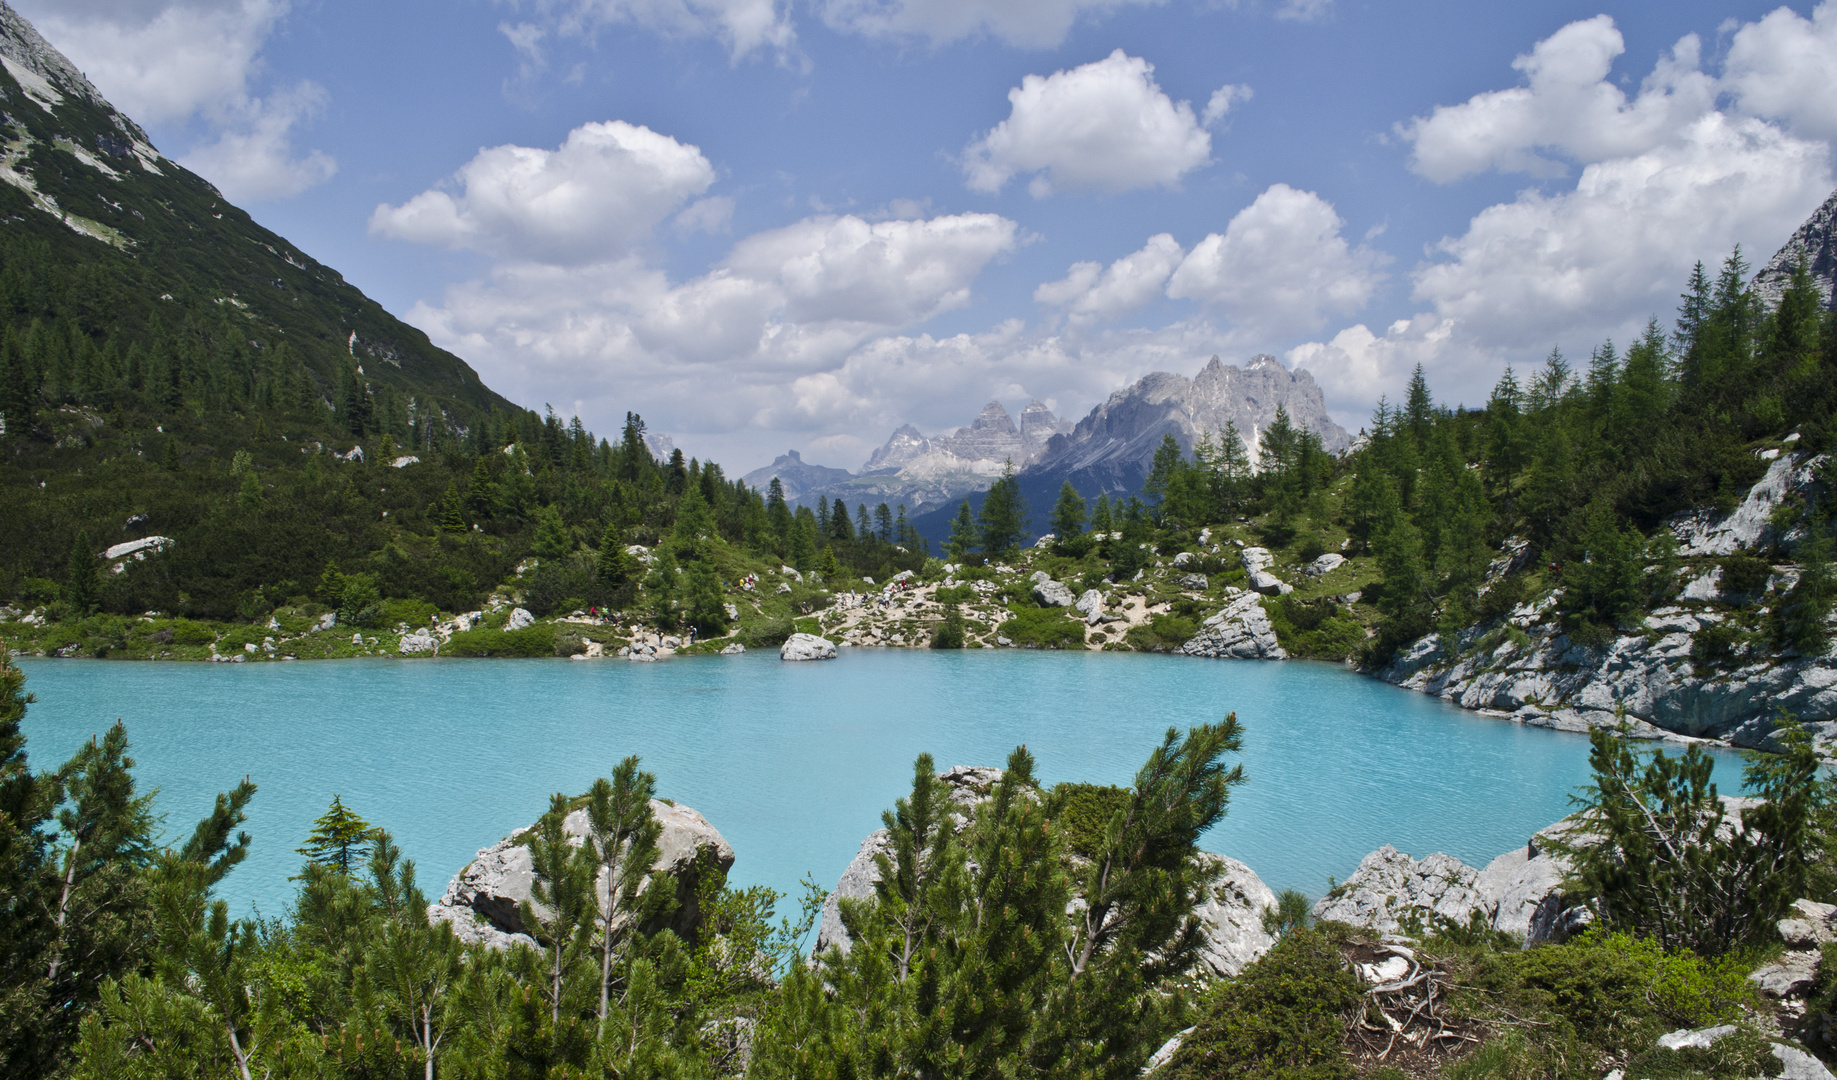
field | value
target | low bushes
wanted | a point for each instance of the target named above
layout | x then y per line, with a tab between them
1042	628
1282	1019
1163	633
529	641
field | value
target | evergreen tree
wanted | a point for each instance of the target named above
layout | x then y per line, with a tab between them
777	512
338	838
803	540
951	630
883	524
453	510
864	525
705	608
614	567
553	540
1068	512
481	493
1002	522
1418	407
564	923
80	577
621	842
1506	449
963	536
1164	471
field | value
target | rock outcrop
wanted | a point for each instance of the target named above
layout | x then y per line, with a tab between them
1052	593
1814	244
807	647
482	901
1241	631
1520	892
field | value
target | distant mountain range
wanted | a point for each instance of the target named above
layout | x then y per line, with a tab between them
1110	450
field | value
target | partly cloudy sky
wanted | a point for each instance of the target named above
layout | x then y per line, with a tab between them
800	223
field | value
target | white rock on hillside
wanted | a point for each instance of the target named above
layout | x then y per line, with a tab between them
1240	631
1269	584
1704	532
482	901
1090	605
1256	558
1052	593
1389	886
519	618
807	647
419	641
1325	565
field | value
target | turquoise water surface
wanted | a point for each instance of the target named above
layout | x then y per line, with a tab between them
795	762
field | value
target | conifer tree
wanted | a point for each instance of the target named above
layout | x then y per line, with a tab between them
621	842
452	510
1002	521
1068	512
705	609
563	885
481	494
883	524
338	838
1164	470
80	578
615	567
962	534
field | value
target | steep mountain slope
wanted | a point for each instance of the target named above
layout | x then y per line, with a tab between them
135	244
1815	243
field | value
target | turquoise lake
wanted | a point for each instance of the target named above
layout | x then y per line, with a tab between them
795	762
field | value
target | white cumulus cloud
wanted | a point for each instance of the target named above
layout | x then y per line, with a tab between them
1785	67
1091	290
1280	267
1567	108
1106	126
607	186
743	26
173	61
1025	23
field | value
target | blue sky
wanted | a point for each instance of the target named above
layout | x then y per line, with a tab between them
766	224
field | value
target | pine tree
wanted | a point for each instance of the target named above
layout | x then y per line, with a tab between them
338	838
452	510
1003	520
951	630
481	493
1068	512
883	523
80	578
1505	436
621	842
614	567
1164	472
803	540
777	512
962	534
563	885
705	609
1418	407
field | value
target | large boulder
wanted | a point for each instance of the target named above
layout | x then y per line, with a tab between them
1231	917
807	647
1269	584
1390	887
1052	593
1325	565
1257	558
1090	605
519	619
1240	631
483	901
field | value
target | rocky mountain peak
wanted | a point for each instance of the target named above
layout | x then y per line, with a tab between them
45	74
1815	243
994	418
905	444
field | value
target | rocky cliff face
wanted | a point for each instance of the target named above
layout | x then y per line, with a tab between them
1530	670
1815	244
1125	430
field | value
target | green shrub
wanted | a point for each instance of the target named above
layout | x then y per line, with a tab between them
186	632
529	641
950	632
1163	633
1281	1019
1714	645
1042	628
413	612
1744	573
1314	629
956	594
1619	990
236	637
766	634
1082	812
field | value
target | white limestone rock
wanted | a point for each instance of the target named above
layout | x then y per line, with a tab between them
1090	605
1749	525
1231	917
1790	976
1268	584
1699	1039
807	647
1390	885
733	650
1240	631
1257	558
420	641
519	618
1796	1064
1325	565
1052	593
482	901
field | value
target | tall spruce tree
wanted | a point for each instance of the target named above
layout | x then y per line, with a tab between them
1002	522
338	838
1068	512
